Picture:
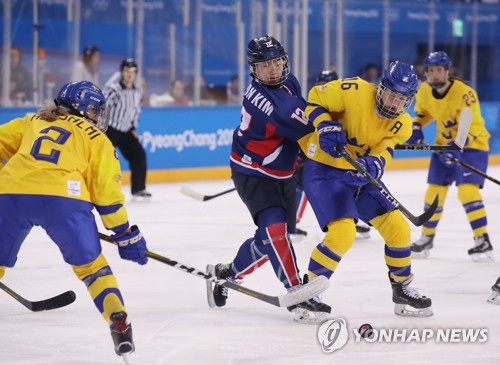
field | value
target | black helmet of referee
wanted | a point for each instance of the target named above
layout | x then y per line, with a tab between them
128	63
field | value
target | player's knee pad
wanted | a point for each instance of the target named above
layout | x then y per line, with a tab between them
468	193
2	271
271	217
393	228
93	267
434	190
272	233
340	235
102	286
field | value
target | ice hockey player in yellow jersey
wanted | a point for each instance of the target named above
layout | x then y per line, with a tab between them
55	167
366	121
441	98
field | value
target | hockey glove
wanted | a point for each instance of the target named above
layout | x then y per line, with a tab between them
332	139
417	135
131	245
373	166
448	158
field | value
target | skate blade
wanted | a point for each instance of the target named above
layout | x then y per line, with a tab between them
483	257
304	316
494	298
210	289
420	255
296	238
362	235
140	199
126	359
408	311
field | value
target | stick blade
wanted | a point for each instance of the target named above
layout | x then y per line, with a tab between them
191	193
58	301
311	289
464	124
420	220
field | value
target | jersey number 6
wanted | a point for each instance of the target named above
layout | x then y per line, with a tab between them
54	154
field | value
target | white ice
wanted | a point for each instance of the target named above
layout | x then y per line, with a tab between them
173	324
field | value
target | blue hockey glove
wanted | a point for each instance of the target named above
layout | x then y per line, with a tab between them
373	166
448	158
131	245
417	135
332	139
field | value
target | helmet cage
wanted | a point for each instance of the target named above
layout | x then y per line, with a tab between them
390	104
97	115
263	71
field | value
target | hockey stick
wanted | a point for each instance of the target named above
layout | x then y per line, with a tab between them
427	147
418	221
477	171
58	301
459	143
300	295
198	196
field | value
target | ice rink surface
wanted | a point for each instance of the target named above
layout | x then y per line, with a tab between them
173	324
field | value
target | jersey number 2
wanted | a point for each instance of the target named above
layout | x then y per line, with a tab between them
54	154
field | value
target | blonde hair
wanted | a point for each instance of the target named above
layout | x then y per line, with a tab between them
53	113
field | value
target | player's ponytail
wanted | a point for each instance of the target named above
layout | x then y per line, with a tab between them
53	113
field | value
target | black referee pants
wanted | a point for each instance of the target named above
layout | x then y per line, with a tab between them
132	150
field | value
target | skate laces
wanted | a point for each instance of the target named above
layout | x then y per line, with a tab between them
424	239
316	299
412	292
478	241
224	290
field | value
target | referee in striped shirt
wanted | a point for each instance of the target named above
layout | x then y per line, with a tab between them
123	101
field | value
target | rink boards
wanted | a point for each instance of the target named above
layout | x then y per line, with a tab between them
193	143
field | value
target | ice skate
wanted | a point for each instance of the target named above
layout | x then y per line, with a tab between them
362	231
408	301
482	250
312	311
298	236
420	249
217	295
121	333
495	293
142	195
300	232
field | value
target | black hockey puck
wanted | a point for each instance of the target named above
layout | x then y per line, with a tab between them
366	330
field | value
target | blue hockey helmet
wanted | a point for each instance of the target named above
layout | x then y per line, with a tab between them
326	76
439	58
84	99
396	90
267	50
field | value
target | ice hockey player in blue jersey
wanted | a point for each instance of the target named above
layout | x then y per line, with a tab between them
263	161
